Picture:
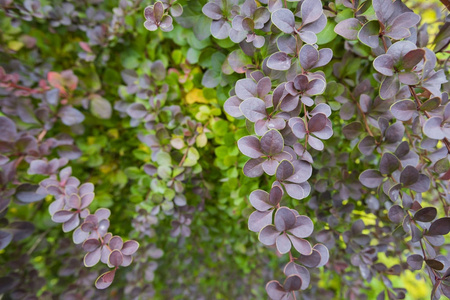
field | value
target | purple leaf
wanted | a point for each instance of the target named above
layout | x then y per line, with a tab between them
396	214
212	10
324	254
301	245
409	175
137	111
311	11
26	193
130	247
250	146
246	88
403	110
348	28
439	227
285	170
389	87
275	290
105	280
389	163
70	116
231	107
294	269
259	219
303	227
371	178
284	19
308	56
92	258
279	61
415	261
432	128
268	235
412	58
317	122
368	34
8	129
62	216
283	243
312	260
254	109
272	142
115	258
298	191
116	243
285	219
426	214
384	64
253	167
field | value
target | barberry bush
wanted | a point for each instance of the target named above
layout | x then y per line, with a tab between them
224	149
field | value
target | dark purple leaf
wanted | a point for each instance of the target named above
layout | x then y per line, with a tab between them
352	130
272	142
5	239
434	264
312	260
285	170
396	214
389	163
317	122
439	227
426	214
371	178
8	129
415	261
292	283
26	193
409	175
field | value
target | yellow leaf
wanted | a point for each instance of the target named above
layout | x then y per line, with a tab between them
105	169
15	45
201	140
195	96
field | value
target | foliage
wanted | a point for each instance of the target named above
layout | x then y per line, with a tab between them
330	119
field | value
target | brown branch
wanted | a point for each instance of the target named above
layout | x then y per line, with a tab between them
446	4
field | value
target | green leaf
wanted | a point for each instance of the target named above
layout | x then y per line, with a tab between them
328	34
100	107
